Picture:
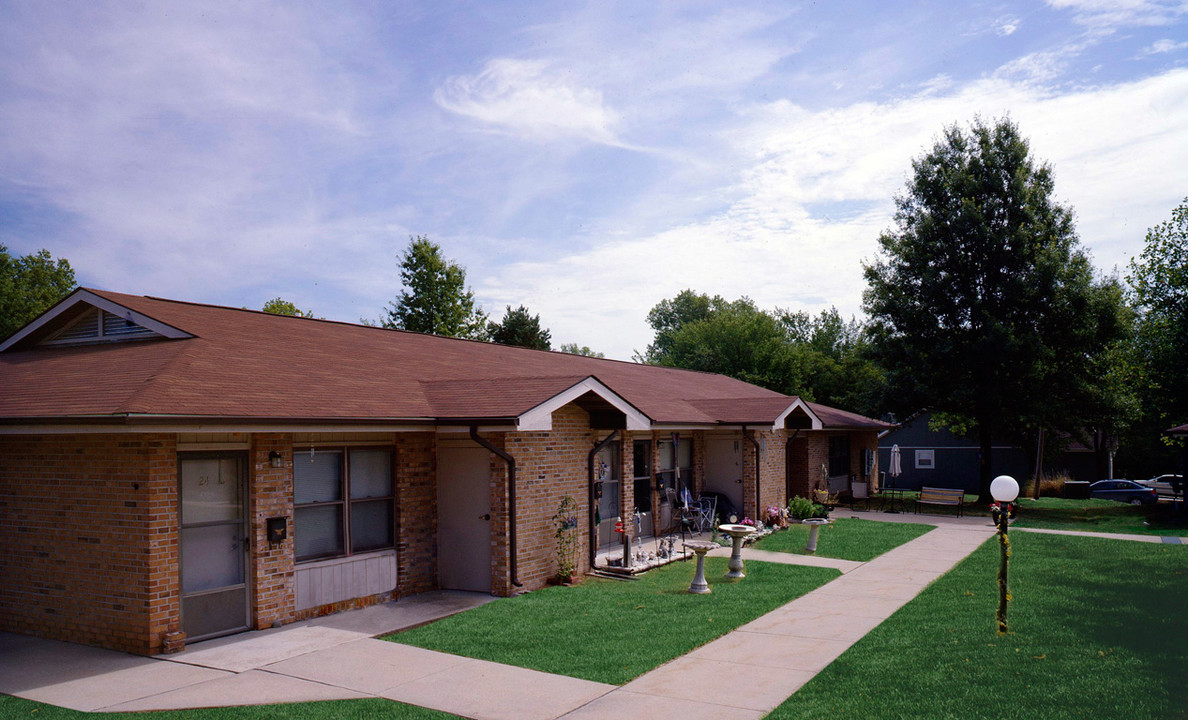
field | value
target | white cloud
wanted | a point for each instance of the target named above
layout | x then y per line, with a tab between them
1110	14
1160	47
531	99
817	190
1007	25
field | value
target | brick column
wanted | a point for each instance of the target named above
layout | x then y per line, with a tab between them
270	495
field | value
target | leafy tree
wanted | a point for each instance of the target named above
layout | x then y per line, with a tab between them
434	298
520	328
839	370
30	285
982	305
669	316
697	332
1159	280
280	306
575	349
821	358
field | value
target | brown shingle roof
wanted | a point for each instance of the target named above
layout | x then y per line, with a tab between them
249	364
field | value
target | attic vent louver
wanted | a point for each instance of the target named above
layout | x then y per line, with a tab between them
97	325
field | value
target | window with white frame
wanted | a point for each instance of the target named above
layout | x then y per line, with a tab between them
925	459
344	501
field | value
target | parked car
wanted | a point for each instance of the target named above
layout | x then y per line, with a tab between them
1165	485
1127	491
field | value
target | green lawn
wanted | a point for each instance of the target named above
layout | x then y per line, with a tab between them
1098	630
1100	516
369	709
847	538
612	631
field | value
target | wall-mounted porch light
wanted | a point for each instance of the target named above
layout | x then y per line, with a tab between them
275	459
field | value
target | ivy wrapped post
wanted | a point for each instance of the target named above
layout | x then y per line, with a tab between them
1004	594
566	522
1004	489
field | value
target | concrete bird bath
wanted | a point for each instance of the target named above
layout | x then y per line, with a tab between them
814	525
736	533
699	586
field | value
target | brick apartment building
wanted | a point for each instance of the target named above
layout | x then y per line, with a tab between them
171	471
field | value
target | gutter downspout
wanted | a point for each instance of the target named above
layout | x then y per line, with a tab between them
754	442
590	475
513	566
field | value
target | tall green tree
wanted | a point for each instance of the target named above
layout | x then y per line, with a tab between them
1158	278
280	306
521	328
30	285
434	297
982	304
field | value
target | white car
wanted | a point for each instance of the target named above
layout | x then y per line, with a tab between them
1162	484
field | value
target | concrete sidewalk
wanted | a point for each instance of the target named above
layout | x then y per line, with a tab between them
743	674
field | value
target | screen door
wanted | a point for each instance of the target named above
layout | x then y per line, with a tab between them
213	546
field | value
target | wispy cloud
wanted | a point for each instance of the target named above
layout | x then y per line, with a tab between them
817	190
533	100
1110	14
1160	47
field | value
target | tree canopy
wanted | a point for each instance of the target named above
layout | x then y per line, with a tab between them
1159	281
280	306
575	349
982	305
30	285
434	297
821	359
521	328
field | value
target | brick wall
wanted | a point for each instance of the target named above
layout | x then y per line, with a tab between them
88	541
549	465
772	472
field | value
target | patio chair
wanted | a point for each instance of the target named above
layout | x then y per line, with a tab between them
859	492
707	513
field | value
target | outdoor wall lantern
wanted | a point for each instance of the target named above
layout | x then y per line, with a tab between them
275	459
1004	489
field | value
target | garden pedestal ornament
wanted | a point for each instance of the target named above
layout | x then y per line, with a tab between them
736	533
699	586
814	526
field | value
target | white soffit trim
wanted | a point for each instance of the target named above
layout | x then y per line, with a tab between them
797	403
540	418
90	298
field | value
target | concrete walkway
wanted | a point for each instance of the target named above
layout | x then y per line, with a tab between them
743	674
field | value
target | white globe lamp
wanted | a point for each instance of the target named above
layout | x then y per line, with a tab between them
1004	488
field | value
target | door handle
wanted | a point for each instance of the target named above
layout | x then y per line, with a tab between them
485	517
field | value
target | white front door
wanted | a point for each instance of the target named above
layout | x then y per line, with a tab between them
723	468
464	517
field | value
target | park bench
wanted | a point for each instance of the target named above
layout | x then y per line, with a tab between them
942	496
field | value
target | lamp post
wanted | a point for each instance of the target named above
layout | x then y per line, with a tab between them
1004	489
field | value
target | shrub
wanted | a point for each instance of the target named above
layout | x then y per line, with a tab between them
800	508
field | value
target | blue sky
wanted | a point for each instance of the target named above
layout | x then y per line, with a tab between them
587	161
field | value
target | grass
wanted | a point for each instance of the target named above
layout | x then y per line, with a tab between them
612	631
367	709
1097	630
1108	516
847	538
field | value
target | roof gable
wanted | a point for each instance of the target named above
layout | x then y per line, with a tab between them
86	318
